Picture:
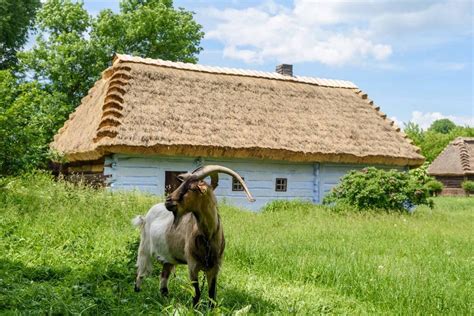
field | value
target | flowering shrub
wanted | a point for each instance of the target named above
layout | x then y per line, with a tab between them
372	188
420	174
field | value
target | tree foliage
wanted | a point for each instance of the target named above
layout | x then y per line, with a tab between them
16	18
73	48
415	132
63	58
29	117
432	141
150	29
443	126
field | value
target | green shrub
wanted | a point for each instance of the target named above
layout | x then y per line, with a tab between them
434	187
373	188
468	186
420	174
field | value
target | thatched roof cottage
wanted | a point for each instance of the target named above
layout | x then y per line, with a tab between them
454	165
289	136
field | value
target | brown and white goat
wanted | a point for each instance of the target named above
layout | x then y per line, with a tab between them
186	229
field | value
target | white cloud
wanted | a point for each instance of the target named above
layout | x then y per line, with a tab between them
332	32
425	119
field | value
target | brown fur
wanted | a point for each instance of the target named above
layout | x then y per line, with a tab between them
196	237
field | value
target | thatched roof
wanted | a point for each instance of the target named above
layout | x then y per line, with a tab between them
457	159
149	106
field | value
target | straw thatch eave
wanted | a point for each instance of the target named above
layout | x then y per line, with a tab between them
155	107
257	153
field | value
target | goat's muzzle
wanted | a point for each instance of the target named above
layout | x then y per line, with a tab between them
171	205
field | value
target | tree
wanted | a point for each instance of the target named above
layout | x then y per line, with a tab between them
415	132
29	117
64	59
73	48
150	28
16	18
443	126
432	142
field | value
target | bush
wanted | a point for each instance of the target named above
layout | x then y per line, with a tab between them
420	174
468	186
373	188
434	187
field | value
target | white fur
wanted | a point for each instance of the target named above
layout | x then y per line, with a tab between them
154	226
138	221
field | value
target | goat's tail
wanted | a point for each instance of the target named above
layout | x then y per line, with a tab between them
138	221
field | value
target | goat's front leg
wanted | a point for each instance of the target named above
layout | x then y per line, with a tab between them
193	276
212	284
165	274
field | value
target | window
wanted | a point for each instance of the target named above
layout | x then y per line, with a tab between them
281	184
236	185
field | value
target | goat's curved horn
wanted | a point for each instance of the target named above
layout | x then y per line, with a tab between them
205	171
183	176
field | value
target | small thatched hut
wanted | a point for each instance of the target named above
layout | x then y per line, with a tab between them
290	137
454	165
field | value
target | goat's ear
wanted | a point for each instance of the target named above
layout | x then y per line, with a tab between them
202	186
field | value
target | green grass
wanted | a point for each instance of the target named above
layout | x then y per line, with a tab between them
65	249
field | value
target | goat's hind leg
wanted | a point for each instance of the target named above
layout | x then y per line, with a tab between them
165	274
144	266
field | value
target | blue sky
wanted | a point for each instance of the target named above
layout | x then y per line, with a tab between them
413	58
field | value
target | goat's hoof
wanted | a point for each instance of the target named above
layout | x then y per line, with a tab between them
137	289
164	291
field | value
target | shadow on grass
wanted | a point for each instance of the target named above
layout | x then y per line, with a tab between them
232	298
105	287
24	273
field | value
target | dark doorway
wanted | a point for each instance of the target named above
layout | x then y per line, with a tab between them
171	181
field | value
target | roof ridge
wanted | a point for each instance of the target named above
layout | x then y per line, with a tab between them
333	83
464	155
392	123
118	78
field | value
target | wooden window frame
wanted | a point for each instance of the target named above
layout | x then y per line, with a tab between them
281	184
236	185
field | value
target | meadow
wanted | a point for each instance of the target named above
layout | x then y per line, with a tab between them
66	249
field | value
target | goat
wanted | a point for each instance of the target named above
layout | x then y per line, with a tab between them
186	229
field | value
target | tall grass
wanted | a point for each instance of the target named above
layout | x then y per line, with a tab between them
70	249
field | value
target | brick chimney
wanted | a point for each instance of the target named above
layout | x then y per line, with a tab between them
285	70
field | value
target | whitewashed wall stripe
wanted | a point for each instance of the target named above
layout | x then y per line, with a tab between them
306	181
